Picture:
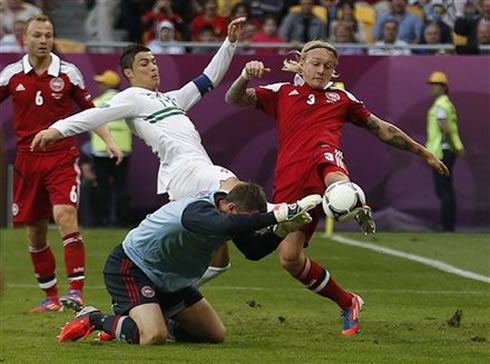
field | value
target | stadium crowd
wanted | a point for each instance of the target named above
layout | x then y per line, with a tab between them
375	27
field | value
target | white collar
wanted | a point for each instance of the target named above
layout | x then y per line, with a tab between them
54	67
299	81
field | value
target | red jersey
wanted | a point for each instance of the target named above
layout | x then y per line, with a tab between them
308	119
40	100
218	23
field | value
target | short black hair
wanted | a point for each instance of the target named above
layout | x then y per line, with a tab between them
127	57
248	197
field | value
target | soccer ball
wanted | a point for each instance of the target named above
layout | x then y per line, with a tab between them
342	200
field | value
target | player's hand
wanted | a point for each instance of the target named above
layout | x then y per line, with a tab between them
234	29
287	227
254	69
44	138
114	151
437	165
288	212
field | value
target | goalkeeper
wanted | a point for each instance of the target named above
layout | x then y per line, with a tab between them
150	275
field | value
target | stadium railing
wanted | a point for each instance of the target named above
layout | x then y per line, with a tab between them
93	46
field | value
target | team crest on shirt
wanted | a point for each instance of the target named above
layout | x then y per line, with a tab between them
15	209
57	84
147	291
332	97
56	95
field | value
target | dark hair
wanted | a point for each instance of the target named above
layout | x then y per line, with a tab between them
207	28
387	21
247	197
237	6
127	57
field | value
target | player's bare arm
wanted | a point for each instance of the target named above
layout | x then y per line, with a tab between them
111	147
394	136
238	94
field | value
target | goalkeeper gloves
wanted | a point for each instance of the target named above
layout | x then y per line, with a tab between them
284	228
288	212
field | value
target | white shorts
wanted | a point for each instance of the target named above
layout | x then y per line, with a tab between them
197	178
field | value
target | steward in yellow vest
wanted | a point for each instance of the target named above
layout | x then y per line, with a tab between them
444	141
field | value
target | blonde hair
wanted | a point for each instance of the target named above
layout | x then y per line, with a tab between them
296	65
39	17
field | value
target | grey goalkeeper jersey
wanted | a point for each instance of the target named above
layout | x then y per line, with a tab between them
173	245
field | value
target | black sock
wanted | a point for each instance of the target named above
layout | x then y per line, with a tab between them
122	328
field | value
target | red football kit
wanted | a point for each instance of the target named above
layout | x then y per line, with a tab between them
51	177
309	125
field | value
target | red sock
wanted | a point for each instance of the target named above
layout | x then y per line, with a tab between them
74	260
45	269
318	280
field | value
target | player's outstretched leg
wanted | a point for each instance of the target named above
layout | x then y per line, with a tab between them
317	279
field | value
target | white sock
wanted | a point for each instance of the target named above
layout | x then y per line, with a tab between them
211	273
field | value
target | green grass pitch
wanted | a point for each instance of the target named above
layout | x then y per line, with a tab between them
270	317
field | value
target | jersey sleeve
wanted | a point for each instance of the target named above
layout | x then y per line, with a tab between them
193	91
268	98
202	217
257	245
357	113
82	98
121	106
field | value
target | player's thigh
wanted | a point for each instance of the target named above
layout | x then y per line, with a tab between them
30	199
63	181
151	323
202	321
127	285
200	177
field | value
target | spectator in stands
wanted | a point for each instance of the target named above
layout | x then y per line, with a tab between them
13	43
259	9
206	34
434	12
209	17
343	33
409	24
390	45
331	6
17	10
268	34
346	15
243	10
466	25
303	26
164	43
161	10
430	36
484	36
100	22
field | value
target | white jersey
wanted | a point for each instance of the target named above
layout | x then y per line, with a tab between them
159	119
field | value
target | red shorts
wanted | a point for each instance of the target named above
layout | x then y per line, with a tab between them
308	177
42	180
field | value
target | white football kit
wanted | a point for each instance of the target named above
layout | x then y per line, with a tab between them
160	120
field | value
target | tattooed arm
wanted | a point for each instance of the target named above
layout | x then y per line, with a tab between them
394	136
238	94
